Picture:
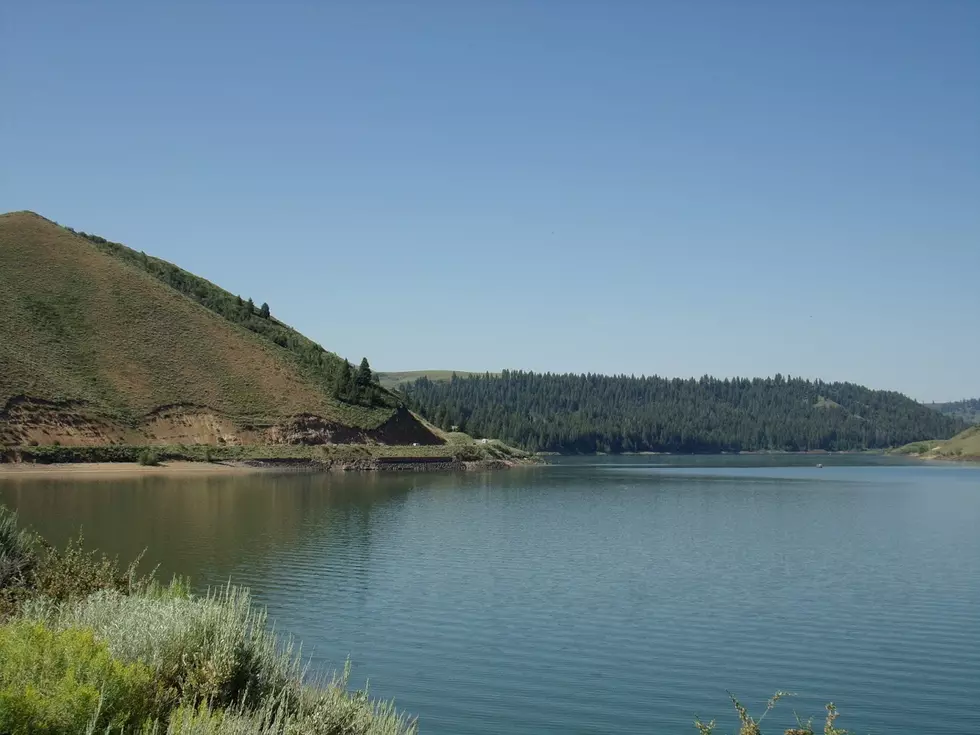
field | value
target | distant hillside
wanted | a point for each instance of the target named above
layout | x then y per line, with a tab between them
102	344
595	413
965	445
968	410
399	379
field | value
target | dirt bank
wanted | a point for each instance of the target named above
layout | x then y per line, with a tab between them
28	421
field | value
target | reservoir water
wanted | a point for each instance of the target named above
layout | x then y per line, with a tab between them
598	595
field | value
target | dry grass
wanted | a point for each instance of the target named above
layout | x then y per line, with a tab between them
79	324
963	446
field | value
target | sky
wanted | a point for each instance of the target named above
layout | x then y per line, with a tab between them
672	188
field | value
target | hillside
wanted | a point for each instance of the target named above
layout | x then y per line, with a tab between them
968	410
397	380
102	344
595	413
963	446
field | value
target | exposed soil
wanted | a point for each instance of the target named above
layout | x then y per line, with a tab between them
26	420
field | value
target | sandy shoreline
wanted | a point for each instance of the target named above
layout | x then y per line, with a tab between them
180	468
118	469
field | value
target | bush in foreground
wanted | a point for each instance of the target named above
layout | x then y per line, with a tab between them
65	681
88	647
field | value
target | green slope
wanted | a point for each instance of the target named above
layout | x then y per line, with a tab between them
92	324
965	445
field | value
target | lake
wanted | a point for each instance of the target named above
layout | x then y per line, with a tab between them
594	595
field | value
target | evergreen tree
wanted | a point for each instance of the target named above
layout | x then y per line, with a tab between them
363	377
249	307
344	381
590	413
264	311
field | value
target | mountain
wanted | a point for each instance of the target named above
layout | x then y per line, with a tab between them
102	344
968	410
596	413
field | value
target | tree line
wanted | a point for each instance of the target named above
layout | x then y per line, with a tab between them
598	413
968	409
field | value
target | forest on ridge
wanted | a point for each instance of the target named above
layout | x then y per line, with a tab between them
580	414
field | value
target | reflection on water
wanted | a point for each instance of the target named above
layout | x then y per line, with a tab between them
205	523
597	595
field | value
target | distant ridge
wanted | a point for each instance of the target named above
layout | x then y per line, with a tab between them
102	344
393	380
597	413
968	409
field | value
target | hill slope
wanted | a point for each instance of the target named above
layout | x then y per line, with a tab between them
965	445
95	348
595	413
397	380
968	410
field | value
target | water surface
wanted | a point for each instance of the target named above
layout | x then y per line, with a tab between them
592	596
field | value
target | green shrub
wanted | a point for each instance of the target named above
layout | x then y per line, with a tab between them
64	681
18	561
215	648
17	555
749	725
148	458
217	664
76	573
329	709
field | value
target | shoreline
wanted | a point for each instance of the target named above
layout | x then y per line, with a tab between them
120	469
244	467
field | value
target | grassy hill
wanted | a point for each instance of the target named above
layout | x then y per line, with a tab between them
397	380
102	344
965	445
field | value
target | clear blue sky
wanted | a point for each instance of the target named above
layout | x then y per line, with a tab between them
681	188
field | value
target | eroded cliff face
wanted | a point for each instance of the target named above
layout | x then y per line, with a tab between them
25	421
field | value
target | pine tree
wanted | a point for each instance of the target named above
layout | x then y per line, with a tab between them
344	381
363	377
264	311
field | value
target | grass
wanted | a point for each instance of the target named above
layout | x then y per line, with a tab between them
963	446
151	458
80	324
397	379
